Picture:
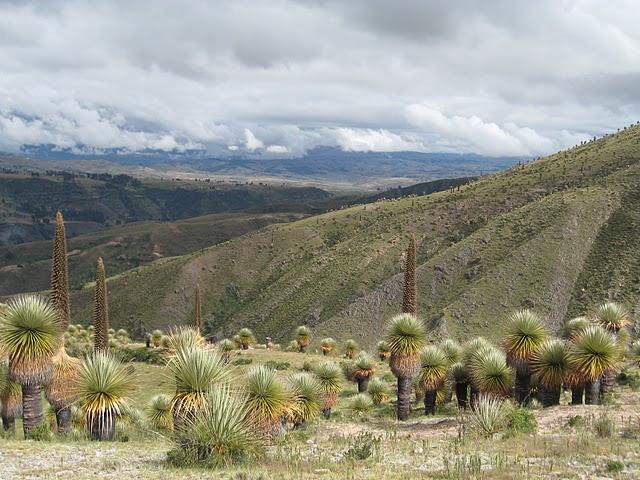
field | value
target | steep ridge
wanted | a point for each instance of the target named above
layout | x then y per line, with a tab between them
535	235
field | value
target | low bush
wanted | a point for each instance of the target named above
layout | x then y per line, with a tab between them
603	426
489	415
142	354
277	365
363	446
242	361
521	420
614	466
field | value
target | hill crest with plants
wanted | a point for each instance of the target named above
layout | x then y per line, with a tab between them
548	234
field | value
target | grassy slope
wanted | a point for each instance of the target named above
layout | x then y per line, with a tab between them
124	247
530	236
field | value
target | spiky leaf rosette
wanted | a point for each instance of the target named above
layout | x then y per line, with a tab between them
490	372
221	433
246	337
470	349
268	399
158	412
361	404
409	294
195	371
225	345
575	327
103	387
363	366
328	345
382	347
635	353
378	390
593	353
10	393
406	336
459	372
525	333
303	336
184	338
550	363
433	368
101	310
61	391
350	348
29	336
60	275
612	316
307	396
452	350
330	377
197	311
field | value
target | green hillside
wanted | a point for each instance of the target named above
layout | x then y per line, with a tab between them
27	266
557	234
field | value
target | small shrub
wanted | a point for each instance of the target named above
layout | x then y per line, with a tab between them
41	433
277	365
361	404
362	446
614	466
143	355
307	366
576	421
242	361
489	415
521	420
603	426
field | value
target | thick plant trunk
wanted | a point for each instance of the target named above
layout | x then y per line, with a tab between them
592	392
326	412
550	396
363	384
462	394
522	387
607	383
475	393
245	347
103	427
303	349
430	402
324	352
9	424
31	408
403	407
63	419
577	394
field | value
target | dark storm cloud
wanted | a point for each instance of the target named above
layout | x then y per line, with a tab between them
279	77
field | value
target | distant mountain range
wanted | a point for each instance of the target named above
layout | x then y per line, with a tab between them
322	164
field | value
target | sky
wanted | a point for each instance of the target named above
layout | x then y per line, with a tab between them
280	77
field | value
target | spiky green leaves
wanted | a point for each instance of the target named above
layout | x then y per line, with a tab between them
550	363
593	353
330	378
101	310
363	366
612	316
406	337
575	327
268	399
433	368
303	336
635	353
525	333
184	338
361	404
104	384
328	345
382	347
378	390
490	372
246	338
158	412
10	393
29	336
350	348
195	371
452	350
306	393
219	434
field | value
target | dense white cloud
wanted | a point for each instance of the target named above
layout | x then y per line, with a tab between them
280	77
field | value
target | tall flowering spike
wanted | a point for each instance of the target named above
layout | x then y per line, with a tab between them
60	275
409	300
101	311
198	310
